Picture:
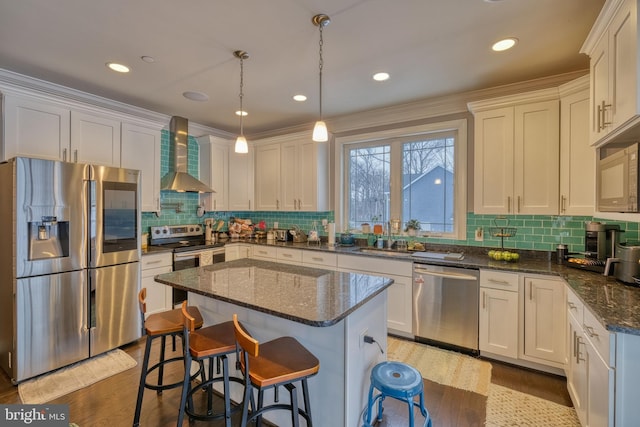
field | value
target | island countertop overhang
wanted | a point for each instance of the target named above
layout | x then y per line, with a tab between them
312	296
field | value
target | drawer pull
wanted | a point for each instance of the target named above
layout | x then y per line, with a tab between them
592	333
317	258
287	255
571	305
499	282
158	261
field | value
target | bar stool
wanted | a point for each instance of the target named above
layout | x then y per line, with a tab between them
160	325
400	381
211	344
280	362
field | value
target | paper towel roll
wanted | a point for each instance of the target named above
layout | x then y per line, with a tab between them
331	231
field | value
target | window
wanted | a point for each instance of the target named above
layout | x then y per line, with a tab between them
407	175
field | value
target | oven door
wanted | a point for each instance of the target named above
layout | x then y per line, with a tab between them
192	259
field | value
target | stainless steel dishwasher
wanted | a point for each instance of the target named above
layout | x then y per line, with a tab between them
445	306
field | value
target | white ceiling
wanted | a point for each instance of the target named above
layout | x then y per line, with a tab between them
430	48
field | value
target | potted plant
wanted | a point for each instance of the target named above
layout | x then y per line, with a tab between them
412	226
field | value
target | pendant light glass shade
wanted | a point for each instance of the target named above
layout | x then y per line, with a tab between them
241	145
320	133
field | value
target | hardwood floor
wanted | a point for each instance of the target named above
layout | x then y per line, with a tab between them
112	402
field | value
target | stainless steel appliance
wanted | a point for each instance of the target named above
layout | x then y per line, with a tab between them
600	243
617	186
625	263
445	306
69	267
190	249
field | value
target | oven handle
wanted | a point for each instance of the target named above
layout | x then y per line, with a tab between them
449	275
186	255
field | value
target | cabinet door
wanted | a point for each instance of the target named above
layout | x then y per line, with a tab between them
599	388
159	296
577	379
267	182
599	66
537	164
623	68
577	157
35	129
94	139
313	176
240	194
544	319
141	150
289	176
499	322
399	300
214	164
493	171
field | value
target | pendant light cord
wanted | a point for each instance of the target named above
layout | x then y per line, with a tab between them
321	65
241	94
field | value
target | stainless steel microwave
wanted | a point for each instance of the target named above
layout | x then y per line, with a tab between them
617	181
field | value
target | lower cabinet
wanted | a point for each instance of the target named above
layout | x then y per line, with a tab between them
159	296
498	320
233	251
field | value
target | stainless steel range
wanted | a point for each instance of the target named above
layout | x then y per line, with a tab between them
190	249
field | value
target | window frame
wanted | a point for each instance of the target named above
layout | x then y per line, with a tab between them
396	137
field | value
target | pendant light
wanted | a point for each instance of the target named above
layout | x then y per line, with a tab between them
320	133
241	143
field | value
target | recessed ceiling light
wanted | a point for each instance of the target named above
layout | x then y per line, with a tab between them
299	98
493	1
195	96
117	67
380	77
148	59
241	113
504	44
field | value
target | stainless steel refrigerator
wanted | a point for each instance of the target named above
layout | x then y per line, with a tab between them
69	263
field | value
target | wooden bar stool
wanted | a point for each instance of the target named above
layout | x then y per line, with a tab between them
160	325
400	381
280	362
212	344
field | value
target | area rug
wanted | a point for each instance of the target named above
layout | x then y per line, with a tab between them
82	374
441	366
507	407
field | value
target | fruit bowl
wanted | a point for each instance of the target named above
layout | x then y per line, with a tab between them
507	256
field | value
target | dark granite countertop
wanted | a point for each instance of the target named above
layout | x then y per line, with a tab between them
312	296
614	304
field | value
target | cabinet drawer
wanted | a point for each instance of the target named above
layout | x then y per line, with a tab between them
598	335
264	252
289	255
499	280
574	305
156	260
320	258
374	265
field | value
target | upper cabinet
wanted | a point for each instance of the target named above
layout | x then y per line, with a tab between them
577	157
516	166
292	174
613	48
51	130
229	173
141	150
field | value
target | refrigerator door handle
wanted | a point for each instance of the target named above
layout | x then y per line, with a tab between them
91	303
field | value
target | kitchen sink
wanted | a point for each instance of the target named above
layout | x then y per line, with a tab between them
387	252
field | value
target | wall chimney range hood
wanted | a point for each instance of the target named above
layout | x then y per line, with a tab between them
178	179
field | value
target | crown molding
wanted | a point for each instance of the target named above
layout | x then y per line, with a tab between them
599	27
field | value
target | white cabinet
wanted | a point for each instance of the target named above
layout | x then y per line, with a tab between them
267	180
399	294
35	128
289	256
233	251
240	193
292	174
214	171
95	139
517	144
141	150
591	366
320	259
267	253
577	157
159	296
544	311
613	48
498	321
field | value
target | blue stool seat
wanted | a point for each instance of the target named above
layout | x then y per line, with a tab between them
400	381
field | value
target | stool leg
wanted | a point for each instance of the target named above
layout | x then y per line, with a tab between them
210	388
370	403
410	404
307	404
248	396
293	395
186	387
227	391
260	404
143	380
161	368
380	408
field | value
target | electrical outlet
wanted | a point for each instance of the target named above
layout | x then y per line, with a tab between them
361	337
479	234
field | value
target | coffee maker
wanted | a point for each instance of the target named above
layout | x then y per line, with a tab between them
600	240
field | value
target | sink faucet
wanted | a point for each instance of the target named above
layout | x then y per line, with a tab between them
389	239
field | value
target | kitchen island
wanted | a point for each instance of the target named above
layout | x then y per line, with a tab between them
328	311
